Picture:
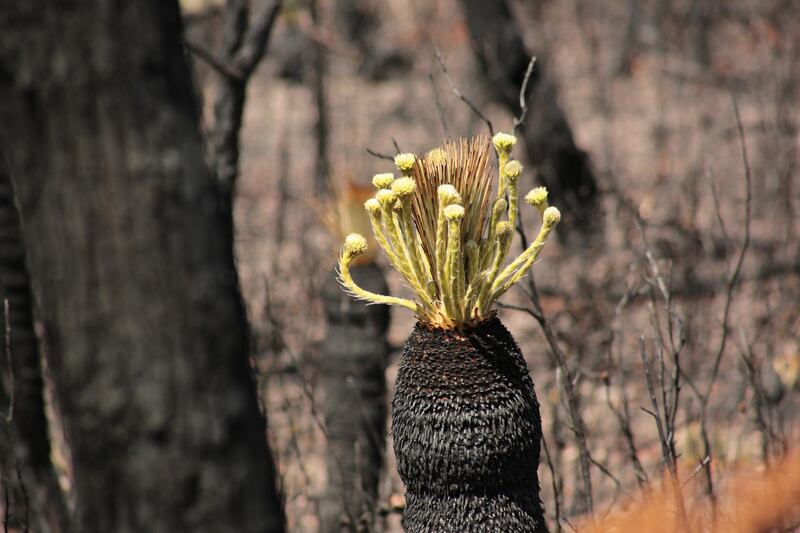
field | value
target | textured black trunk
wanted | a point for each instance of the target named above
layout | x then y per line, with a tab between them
131	260
467	433
27	477
352	373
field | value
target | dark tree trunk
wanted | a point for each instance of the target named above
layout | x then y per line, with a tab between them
28	479
131	260
359	23
503	59
352	373
318	89
467	432
244	41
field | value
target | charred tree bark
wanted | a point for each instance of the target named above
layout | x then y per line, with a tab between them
467	433
352	373
131	260
244	41
358	21
503	59
28	479
318	89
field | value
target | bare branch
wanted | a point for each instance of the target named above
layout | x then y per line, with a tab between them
555	484
379	155
523	97
463	98
222	68
438	101
734	278
576	419
255	41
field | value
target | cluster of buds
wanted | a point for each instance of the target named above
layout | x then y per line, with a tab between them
450	246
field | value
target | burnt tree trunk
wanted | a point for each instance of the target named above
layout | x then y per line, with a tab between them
131	260
28	481
245	37
352	370
503	59
467	433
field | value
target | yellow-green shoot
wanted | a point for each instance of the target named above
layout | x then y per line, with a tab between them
440	228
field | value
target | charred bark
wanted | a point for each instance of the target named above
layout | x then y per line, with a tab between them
352	373
27	476
503	60
358	21
467	432
131	260
244	41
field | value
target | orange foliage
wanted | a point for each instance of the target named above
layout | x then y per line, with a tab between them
753	503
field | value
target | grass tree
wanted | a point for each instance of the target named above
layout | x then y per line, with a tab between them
352	372
465	419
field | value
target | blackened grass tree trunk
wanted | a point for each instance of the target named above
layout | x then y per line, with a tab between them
503	59
28	482
131	260
352	372
465	419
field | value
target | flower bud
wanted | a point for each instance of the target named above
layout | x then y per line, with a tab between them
453	212
513	170
551	216
405	162
437	156
448	195
503	142
355	245
503	229
403	187
386	197
537	198
383	181
373	206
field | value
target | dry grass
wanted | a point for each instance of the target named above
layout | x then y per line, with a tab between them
753	502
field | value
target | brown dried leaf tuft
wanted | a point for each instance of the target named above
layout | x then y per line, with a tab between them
465	167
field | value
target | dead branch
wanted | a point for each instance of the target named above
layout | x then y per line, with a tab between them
463	98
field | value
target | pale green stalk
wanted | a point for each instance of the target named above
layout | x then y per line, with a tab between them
503	236
454	273
498	209
526	258
441	248
356	245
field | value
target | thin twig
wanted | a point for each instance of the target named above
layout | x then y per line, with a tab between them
718	211
521	308
573	409
221	67
737	270
379	155
463	98
702	464
576	420
523	98
667	450
554	480
438	102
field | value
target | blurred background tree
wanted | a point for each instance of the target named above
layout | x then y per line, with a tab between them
131	263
